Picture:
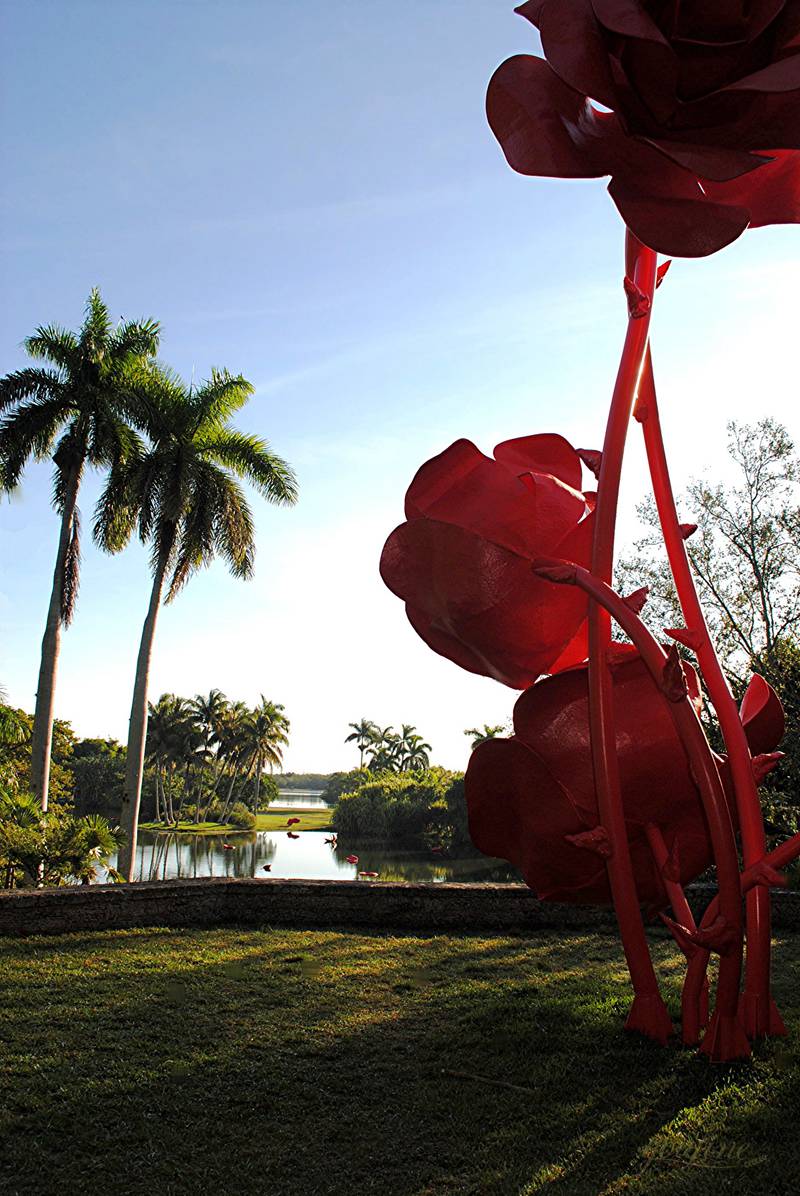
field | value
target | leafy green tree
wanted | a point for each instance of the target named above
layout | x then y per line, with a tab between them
73	409
54	847
745	552
183	496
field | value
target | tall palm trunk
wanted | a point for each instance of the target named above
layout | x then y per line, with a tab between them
259	770
137	729
42	735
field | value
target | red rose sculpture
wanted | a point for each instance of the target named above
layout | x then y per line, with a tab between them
462	561
702	137
532	800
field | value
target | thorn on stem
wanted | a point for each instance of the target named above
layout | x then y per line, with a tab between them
638	302
687	530
764	763
673	681
595	840
684	635
636	600
661	272
592	459
561	572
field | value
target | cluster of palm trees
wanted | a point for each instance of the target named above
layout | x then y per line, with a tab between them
174	465
212	752
387	750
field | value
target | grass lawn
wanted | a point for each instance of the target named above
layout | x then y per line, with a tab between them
273	820
296	1063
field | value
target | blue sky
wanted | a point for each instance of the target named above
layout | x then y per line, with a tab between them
309	195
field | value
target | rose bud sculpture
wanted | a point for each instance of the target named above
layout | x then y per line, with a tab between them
608	790
462	560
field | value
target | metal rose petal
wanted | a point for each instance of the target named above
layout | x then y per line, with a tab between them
574	47
762	716
771	194
543	126
678	227
545	453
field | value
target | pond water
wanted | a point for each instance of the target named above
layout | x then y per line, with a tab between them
299	799
307	857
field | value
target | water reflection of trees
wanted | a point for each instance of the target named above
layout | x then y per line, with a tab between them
164	856
167	856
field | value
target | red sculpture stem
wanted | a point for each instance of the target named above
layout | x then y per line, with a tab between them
757	1001
677	897
779	858
648	1013
723	842
694	1007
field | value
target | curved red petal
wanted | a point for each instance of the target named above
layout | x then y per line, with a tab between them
546	453
771	194
629	18
783	75
709	162
519	812
762	716
531	10
574	47
465	488
479	604
542	125
679	227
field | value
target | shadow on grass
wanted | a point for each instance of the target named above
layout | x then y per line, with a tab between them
290	1062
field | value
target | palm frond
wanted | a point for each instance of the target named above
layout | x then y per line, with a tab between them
219	397
29	383
136	338
51	343
117	509
27	432
235	530
97	326
252	458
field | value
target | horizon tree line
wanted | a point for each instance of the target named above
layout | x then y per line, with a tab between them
174	464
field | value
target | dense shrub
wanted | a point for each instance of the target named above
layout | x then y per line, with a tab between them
400	806
268	791
240	816
345	782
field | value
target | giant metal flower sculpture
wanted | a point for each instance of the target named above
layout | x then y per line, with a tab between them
608	790
702	132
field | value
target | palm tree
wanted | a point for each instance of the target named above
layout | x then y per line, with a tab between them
73	408
362	734
233	747
480	736
208	714
413	751
267	734
168	724
184	497
383	750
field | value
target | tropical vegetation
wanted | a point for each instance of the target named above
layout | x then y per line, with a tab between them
208	756
73	410
174	466
388	750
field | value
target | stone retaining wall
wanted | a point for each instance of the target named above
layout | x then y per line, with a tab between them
425	908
